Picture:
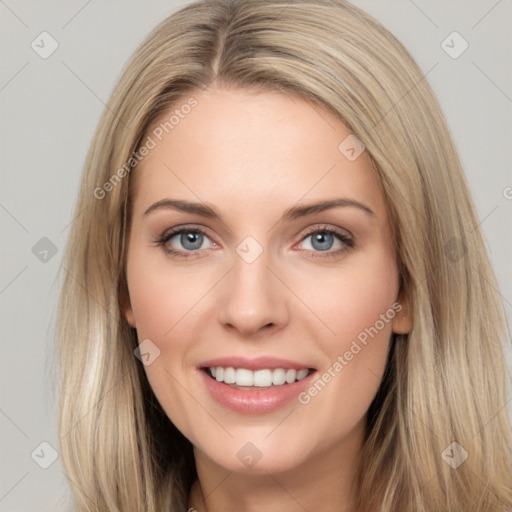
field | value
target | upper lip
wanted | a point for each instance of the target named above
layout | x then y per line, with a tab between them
257	363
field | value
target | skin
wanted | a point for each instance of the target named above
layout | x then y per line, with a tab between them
252	155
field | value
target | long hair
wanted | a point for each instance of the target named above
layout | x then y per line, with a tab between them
438	435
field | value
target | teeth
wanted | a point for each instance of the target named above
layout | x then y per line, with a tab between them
262	378
278	377
290	376
243	377
301	374
258	378
229	375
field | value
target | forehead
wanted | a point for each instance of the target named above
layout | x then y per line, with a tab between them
242	150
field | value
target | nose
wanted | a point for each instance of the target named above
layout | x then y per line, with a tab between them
253	300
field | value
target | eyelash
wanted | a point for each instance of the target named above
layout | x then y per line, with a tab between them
168	235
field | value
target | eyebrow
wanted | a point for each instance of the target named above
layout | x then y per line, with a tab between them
292	213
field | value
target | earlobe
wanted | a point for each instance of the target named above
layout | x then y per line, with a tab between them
125	306
403	321
130	318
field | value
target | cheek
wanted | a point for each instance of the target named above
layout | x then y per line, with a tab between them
160	295
357	304
352	297
163	300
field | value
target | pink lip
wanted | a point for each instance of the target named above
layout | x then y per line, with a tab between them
256	401
258	363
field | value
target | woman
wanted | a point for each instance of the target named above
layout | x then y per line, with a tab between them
277	296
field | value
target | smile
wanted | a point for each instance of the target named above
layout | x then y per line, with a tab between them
255	386
260	378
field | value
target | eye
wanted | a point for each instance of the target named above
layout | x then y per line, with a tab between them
188	241
183	241
323	239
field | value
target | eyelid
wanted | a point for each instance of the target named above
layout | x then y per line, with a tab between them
185	227
328	227
343	235
176	230
204	230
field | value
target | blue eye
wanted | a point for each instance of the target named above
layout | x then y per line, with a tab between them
191	239
324	238
322	241
194	238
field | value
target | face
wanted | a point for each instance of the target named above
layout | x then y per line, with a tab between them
231	267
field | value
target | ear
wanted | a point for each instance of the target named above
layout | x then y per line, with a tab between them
130	318
403	321
125	306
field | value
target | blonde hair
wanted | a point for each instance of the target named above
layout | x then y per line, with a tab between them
445	382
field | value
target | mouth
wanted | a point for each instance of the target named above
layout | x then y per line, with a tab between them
255	386
252	380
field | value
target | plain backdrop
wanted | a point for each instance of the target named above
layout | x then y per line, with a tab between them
50	108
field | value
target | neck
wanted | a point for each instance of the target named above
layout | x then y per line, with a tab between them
324	482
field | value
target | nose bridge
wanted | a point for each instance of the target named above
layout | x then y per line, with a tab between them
253	297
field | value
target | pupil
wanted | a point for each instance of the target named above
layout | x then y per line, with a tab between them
191	238
322	241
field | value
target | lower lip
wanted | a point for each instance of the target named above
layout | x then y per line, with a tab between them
258	401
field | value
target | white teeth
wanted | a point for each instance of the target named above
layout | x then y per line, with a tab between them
243	377
290	376
301	374
278	377
259	378
262	378
229	376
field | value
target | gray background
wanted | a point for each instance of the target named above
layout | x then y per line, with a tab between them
49	110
